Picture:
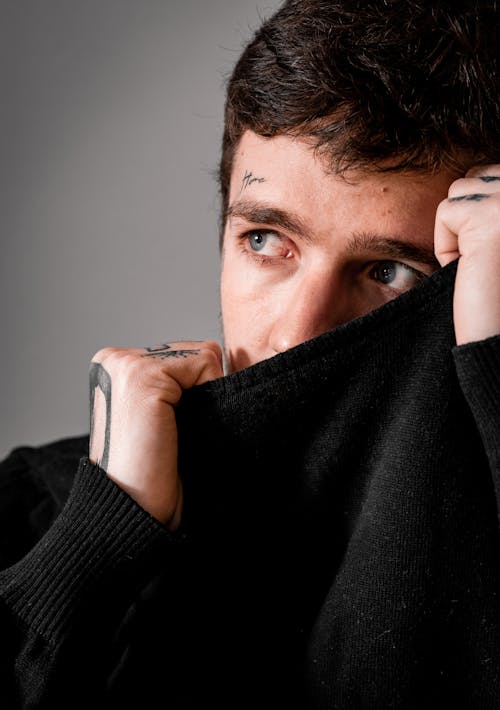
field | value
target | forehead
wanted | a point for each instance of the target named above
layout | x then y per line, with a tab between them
287	172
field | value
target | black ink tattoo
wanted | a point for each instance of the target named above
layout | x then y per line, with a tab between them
249	179
489	178
164	354
158	348
99	377
476	197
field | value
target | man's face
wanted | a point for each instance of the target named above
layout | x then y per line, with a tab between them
306	250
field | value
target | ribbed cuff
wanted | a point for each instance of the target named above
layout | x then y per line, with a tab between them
101	531
478	370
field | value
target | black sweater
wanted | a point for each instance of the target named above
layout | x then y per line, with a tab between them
339	546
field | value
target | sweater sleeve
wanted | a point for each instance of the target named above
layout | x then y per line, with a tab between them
59	603
478	370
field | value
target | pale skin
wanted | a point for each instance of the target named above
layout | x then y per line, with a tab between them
304	250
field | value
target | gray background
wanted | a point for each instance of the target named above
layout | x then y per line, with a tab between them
110	127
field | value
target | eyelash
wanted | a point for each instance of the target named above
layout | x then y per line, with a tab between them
245	248
265	260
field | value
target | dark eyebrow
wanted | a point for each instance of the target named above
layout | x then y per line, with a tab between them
391	248
262	213
388	247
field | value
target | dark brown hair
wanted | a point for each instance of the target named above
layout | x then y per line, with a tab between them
376	84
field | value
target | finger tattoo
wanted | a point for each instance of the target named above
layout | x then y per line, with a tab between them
99	377
475	197
158	348
164	354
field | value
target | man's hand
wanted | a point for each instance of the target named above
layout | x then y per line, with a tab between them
468	226
133	430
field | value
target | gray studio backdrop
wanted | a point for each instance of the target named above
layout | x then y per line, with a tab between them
110	126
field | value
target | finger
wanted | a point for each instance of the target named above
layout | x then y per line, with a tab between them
189	363
488	171
171	351
179	350
150	373
182	350
187	345
451	215
465	225
484	185
445	242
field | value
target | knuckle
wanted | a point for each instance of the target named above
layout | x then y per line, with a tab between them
495	207
115	358
210	357
130	367
117	361
214	345
103	354
459	187
129	378
442	207
475	170
485	169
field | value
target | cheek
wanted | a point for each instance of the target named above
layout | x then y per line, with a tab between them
237	303
236	283
245	308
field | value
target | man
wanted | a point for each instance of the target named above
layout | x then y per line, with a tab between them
359	157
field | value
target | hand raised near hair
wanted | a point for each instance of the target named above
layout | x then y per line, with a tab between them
468	228
133	433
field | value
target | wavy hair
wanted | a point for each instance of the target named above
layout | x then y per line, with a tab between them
375	84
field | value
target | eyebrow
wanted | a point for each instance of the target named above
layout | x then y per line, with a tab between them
393	248
263	213
390	247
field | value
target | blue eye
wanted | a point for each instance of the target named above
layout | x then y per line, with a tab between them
257	240
266	246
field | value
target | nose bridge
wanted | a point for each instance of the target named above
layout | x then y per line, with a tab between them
310	307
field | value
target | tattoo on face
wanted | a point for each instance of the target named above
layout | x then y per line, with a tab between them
249	179
476	197
489	178
99	377
162	352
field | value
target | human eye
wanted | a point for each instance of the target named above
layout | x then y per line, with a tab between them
265	245
396	275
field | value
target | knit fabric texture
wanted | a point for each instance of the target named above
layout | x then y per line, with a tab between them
339	546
